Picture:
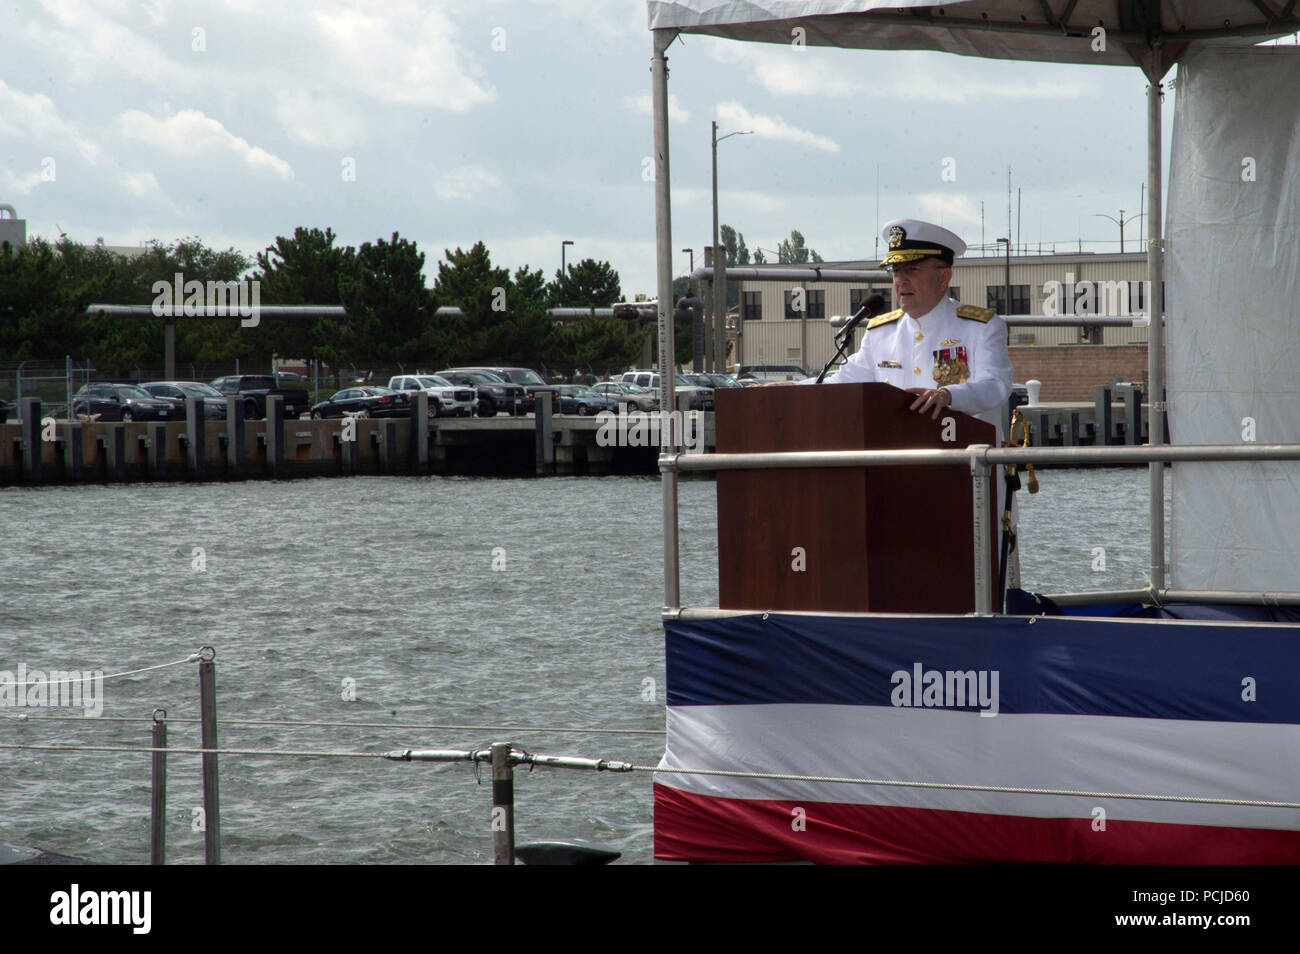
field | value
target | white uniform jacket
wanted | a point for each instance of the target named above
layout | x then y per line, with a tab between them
959	347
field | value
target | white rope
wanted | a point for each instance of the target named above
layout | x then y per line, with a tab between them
349	725
949	786
289	753
955	786
192	657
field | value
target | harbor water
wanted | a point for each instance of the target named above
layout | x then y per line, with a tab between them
395	600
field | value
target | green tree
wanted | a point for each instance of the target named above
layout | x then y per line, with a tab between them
734	242
794	251
587	283
307	269
603	345
389	308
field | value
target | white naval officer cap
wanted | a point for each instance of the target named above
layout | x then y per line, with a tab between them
911	240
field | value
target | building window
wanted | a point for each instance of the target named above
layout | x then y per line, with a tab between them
813	302
790	311
997	295
817	304
954	292
752	306
858	295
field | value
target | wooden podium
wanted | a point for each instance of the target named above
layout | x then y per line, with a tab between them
882	539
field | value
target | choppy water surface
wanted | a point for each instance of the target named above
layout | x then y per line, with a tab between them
388	582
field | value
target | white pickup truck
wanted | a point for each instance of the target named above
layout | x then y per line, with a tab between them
445	399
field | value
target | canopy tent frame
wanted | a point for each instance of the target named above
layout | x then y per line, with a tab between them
1153	49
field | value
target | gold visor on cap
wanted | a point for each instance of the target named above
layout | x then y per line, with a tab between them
910	255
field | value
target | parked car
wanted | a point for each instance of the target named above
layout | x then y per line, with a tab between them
494	394
770	372
577	399
711	381
636	397
527	379
364	402
701	399
120	402
255	388
445	398
175	392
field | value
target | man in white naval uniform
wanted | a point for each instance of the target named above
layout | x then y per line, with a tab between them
947	354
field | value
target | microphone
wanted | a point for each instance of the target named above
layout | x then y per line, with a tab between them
870	308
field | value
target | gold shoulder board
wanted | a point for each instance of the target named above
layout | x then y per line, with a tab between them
886	318
974	313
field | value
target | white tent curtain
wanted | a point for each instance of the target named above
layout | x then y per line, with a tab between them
1234	326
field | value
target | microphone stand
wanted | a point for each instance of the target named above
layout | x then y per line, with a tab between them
843	337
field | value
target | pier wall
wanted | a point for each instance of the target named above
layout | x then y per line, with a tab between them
93	452
1072	373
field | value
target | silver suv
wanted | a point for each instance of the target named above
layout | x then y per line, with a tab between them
771	372
701	398
445	398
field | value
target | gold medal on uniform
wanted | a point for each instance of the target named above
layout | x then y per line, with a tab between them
950	366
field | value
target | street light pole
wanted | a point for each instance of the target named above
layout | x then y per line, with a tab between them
563	269
717	361
1120	222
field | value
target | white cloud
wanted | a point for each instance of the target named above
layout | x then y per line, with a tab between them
33	118
599	16
90	43
948	209
190	133
773	127
643	105
785	71
142	185
402	53
464	184
14	184
317	120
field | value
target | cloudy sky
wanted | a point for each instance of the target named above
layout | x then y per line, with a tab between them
526	122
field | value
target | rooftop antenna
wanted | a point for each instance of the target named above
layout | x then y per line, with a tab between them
1008	209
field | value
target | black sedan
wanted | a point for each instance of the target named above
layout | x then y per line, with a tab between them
364	402
175	392
121	402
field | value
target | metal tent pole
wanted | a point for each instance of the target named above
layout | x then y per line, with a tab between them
1155	306
667	347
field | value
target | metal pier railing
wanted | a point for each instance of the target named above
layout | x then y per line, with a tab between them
982	459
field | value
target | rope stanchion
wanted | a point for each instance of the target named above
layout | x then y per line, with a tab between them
158	791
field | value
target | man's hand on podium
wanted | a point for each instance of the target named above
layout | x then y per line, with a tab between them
930	399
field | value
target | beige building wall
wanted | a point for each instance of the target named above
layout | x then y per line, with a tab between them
809	341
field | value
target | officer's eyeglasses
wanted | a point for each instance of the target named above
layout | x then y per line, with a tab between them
910	269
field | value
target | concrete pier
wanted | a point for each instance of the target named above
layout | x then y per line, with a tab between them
240	449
